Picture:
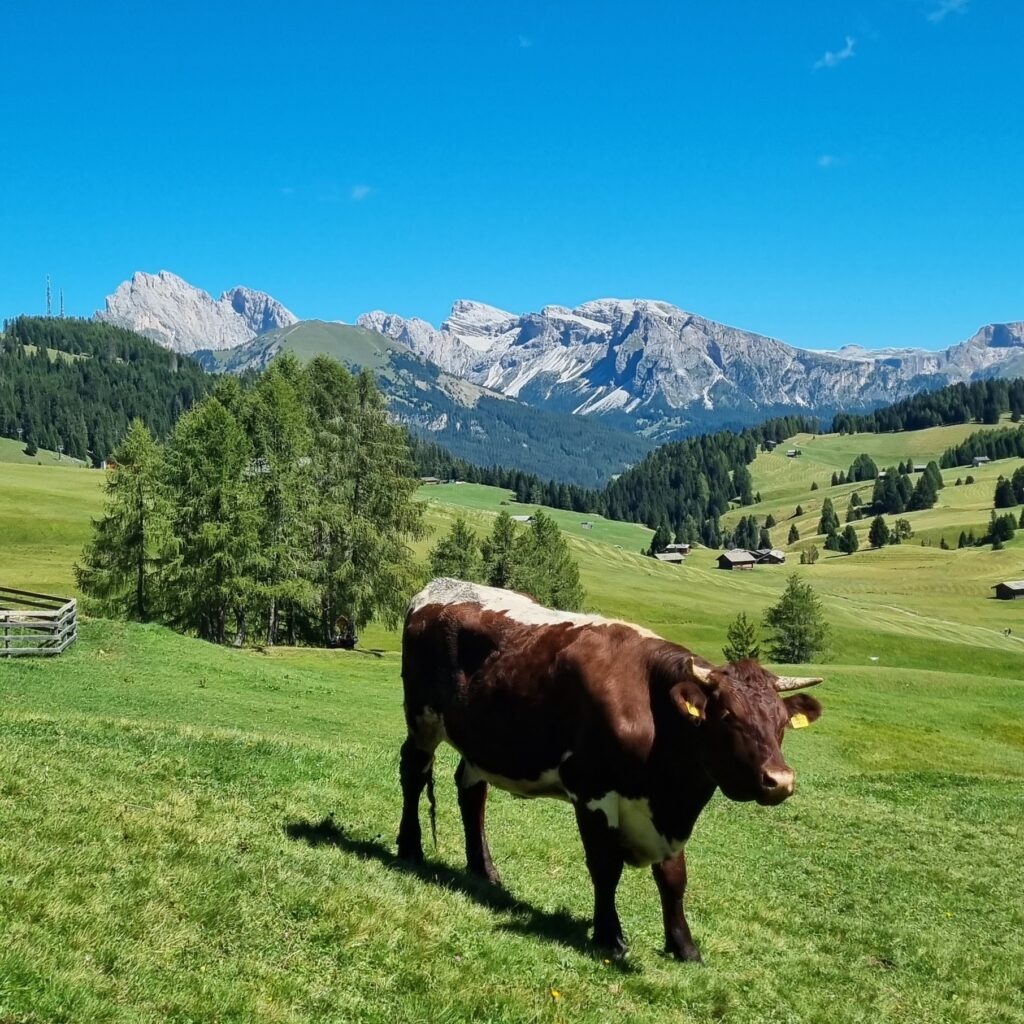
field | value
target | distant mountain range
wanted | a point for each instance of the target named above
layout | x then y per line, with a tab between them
640	366
471	421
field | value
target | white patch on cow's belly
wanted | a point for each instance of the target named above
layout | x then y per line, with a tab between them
631	817
548	783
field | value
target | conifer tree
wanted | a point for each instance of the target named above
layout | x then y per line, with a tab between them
796	626
457	554
829	520
543	566
741	639
211	573
848	541
498	551
118	562
878	535
794	534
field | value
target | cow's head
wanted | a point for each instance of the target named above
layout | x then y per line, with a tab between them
738	718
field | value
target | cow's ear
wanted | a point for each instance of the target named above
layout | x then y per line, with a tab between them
690	699
803	709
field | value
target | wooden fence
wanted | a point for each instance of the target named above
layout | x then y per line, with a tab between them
36	623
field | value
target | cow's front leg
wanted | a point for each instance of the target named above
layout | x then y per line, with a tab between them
605	862
472	792
670	877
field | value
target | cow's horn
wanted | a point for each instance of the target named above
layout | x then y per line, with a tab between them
785	683
701	674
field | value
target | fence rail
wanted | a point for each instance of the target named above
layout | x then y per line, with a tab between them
36	624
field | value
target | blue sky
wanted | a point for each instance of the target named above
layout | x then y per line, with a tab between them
818	170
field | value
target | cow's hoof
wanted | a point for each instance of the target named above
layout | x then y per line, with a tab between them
613	949
685	954
488	875
410	853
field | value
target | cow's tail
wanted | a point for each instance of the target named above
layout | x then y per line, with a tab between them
432	801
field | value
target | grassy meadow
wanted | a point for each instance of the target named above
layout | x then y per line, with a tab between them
189	833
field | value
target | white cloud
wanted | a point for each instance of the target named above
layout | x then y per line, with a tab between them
360	192
833	59
948	7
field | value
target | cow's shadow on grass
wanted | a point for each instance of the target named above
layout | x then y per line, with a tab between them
559	927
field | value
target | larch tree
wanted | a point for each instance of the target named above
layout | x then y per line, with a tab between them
117	564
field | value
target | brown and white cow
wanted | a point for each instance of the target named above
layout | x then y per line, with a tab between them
635	732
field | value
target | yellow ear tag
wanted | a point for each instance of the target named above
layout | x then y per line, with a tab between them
799	721
692	710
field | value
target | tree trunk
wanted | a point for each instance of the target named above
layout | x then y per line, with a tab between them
272	623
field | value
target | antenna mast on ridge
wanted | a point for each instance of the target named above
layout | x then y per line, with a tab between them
49	297
62	303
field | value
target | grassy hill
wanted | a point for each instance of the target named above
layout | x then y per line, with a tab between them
193	833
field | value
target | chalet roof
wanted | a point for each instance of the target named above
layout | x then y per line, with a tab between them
677	547
769	553
738	556
670	556
1011	584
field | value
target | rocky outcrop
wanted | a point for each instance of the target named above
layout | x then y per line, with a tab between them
185	318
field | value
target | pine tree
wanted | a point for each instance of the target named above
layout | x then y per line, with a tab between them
741	640
829	520
878	535
769	521
814	485
1004	495
498	551
378	572
118	561
794	534
543	566
798	511
849	540
457	554
796	626
661	539
277	423
810	556
211	572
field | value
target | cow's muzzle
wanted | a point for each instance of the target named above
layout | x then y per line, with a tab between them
776	785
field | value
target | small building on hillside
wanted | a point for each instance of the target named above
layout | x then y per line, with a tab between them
678	549
430	480
980	460
672	557
919	467
737	558
770	446
522	519
586	526
1010	590
793	453
770	556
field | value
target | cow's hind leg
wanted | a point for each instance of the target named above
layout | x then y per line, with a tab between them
416	771
605	863
670	877
472	805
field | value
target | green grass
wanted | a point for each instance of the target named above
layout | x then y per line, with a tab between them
191	833
13	452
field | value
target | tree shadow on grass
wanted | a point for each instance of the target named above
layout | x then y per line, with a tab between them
559	927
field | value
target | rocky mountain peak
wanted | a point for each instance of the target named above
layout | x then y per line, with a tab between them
180	316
